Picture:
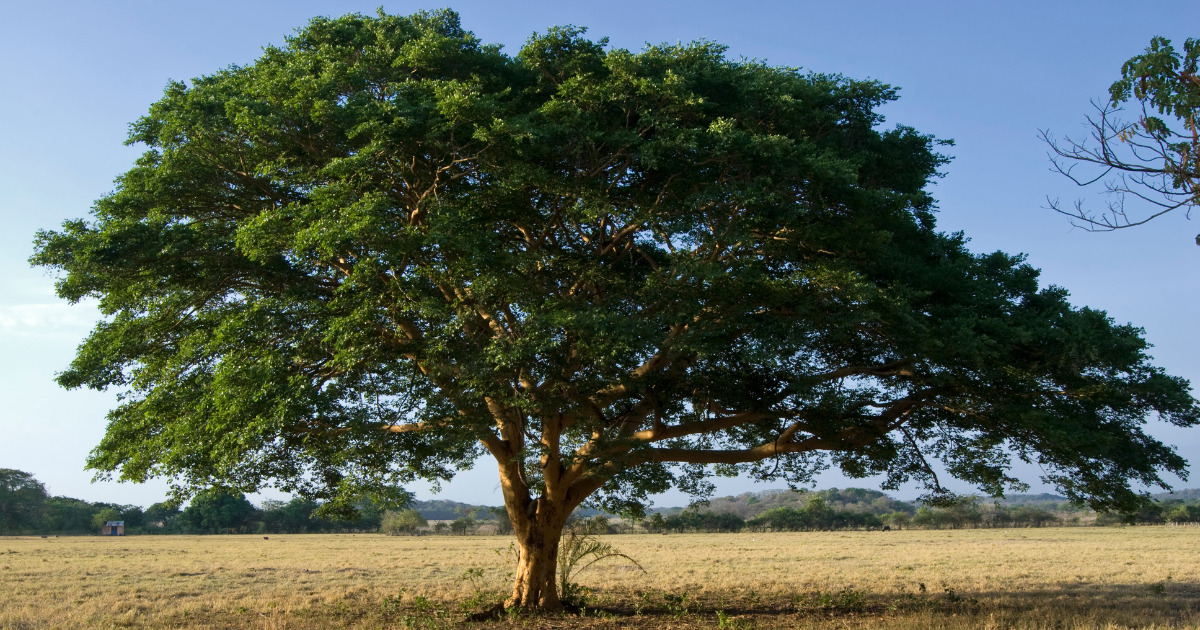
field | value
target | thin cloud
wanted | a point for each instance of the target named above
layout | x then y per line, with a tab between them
29	320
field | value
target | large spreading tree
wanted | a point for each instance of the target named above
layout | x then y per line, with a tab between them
385	249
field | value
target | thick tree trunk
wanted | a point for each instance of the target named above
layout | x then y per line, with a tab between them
536	586
537	523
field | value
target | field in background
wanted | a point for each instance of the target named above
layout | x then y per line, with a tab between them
1035	578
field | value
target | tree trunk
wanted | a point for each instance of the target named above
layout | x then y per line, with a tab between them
536	586
537	523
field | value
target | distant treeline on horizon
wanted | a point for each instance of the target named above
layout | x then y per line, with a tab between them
26	509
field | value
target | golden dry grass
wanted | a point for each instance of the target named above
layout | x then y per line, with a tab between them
1028	578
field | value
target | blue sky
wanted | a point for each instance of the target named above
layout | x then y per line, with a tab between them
988	75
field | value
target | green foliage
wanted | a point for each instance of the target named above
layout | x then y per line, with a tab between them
218	511
708	522
677	604
1153	160
579	548
817	515
726	622
392	604
1165	79
161	516
463	525
21	501
1029	516
384	248
482	602
65	515
291	517
402	522
849	599
857	501
969	512
1183	513
502	521
826	509
445	509
104	516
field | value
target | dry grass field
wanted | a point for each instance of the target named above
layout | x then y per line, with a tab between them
1020	578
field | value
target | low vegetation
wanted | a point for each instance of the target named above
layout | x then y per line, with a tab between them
25	508
1015	578
396	522
858	509
579	549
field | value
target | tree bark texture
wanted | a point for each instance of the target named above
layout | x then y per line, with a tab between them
536	585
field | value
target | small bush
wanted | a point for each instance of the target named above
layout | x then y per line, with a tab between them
578	549
395	523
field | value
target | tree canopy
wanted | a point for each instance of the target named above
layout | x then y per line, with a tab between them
217	511
1152	161
385	249
21	501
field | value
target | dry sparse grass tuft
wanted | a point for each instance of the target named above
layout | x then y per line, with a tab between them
1050	578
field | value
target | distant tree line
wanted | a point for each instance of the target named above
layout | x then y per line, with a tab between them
467	521
857	509
750	505
1178	512
26	508
970	512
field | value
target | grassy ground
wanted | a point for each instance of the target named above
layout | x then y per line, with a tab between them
1027	578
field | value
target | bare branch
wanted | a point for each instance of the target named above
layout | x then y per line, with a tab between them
1139	160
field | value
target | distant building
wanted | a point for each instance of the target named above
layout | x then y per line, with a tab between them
113	528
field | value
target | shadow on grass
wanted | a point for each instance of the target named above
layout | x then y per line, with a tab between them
1072	604
1068	605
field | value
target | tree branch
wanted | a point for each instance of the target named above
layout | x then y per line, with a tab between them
715	456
